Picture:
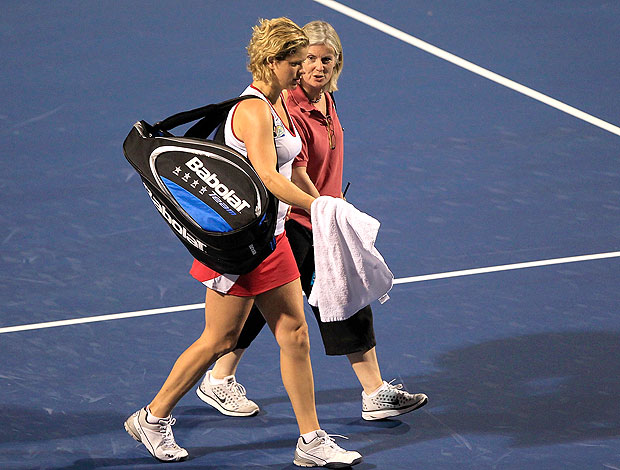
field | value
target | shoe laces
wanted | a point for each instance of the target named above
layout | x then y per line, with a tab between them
237	389
329	441
394	386
165	427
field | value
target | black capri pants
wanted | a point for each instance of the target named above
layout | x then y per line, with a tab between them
355	334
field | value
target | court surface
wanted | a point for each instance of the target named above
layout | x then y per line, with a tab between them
464	170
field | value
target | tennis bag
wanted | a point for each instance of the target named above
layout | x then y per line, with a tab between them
209	194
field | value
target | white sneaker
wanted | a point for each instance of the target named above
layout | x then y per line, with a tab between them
390	400
228	398
157	438
322	451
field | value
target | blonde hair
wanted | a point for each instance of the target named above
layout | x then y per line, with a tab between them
322	33
276	39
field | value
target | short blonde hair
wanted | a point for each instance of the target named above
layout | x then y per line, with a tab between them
276	39
323	33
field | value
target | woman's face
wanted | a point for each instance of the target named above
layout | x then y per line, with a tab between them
319	66
288	71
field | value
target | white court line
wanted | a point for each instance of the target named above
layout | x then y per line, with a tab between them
507	267
398	34
113	316
405	280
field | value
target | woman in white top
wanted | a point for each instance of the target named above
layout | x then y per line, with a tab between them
276	52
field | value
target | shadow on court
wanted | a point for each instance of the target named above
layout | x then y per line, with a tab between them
536	390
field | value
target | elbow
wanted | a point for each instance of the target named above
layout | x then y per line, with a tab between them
268	180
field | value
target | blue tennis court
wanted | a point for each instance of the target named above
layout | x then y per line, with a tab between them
481	134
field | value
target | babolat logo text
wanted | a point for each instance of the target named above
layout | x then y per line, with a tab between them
175	223
220	189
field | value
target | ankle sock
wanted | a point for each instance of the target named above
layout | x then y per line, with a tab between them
309	436
370	395
151	418
214	381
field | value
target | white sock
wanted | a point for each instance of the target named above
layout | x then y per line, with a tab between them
370	395
151	418
214	381
309	436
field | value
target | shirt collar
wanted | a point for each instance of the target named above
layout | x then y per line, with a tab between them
299	96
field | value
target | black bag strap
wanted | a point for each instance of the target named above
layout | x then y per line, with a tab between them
219	135
210	117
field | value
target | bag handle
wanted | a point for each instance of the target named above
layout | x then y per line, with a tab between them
210	116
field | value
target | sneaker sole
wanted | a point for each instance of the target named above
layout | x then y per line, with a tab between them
131	430
307	463
384	414
218	406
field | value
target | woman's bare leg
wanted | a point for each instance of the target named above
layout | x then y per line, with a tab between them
224	318
227	364
283	309
366	368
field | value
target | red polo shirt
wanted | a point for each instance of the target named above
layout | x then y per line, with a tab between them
318	133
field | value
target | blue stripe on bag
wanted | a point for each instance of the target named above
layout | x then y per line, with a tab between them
204	215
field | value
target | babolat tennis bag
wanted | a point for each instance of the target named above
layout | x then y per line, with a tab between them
209	194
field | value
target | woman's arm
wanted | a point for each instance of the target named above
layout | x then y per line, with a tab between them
301	179
253	124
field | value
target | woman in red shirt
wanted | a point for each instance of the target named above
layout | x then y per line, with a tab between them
317	170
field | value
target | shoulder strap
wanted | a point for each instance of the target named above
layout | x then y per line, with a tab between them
210	117
203	128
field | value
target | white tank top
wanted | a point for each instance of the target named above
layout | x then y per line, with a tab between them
288	145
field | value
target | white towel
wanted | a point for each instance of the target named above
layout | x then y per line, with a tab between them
350	271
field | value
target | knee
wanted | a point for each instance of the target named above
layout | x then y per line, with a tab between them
295	339
219	344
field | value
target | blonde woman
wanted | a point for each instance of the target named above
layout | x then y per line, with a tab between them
318	171
276	52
